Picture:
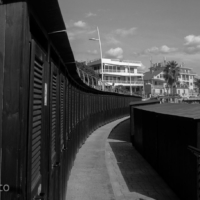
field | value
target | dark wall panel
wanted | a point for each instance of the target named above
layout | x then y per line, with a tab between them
163	140
2	58
15	87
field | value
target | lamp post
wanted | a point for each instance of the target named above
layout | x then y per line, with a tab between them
130	81
99	39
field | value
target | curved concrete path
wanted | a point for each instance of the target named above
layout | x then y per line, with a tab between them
111	169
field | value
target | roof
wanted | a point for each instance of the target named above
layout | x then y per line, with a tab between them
149	75
50	16
156	79
47	11
116	62
180	110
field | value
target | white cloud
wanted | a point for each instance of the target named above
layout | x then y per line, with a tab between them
115	53
91	14
162	50
192	40
80	24
152	50
166	49
192	44
125	32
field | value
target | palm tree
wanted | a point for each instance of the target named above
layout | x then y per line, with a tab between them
171	74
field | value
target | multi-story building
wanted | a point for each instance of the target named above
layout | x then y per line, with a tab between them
155	83
119	73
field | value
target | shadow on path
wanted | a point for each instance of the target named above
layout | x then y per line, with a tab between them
139	176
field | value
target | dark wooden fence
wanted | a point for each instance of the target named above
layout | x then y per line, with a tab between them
46	111
163	134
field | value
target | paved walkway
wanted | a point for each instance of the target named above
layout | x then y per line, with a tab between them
107	167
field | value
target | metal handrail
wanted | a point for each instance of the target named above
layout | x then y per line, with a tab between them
128	82
194	150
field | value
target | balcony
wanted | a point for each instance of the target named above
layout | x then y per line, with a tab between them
118	71
185	79
126	82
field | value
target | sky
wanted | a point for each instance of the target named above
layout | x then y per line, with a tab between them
137	30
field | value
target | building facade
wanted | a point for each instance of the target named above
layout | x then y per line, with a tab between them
155	85
117	73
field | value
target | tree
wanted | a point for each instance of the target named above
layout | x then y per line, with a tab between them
197	84
171	74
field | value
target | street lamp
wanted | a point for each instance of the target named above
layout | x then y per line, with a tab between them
99	39
130	81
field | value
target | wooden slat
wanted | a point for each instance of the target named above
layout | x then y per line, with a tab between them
36	151
37	118
36	129
35	181
37	112
36	140
36	145
36	85
36	155
36	91
37	123
37	101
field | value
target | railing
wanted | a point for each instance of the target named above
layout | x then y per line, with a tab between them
185	79
126	82
122	71
158	86
119	71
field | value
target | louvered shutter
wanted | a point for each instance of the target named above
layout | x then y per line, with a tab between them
35	120
70	109
37	124
67	109
62	113
53	115
72	105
